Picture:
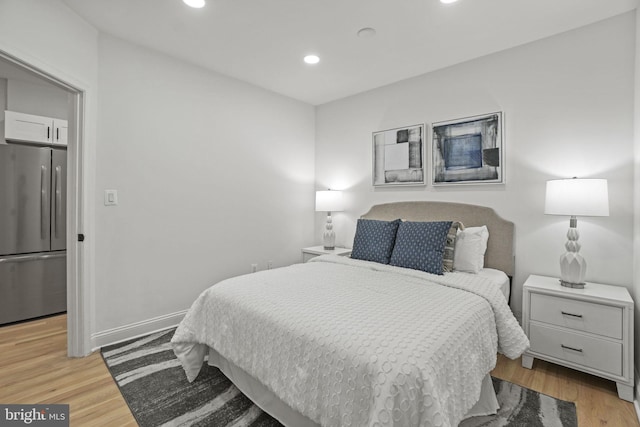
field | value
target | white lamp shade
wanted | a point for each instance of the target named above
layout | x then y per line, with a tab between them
577	197
329	201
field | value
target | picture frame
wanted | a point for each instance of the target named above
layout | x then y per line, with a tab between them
399	156
468	150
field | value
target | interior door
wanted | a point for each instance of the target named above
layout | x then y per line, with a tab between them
58	199
25	181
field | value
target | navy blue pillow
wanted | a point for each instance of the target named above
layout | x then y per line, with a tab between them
420	245
374	240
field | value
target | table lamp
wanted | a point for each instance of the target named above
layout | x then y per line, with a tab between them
575	197
329	201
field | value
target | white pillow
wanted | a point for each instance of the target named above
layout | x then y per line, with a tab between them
471	244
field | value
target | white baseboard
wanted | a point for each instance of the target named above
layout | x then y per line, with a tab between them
134	330
636	403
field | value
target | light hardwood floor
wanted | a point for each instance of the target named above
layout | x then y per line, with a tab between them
596	399
34	369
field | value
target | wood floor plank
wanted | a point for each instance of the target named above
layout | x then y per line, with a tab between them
34	369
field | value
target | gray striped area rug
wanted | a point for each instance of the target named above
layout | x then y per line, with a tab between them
157	391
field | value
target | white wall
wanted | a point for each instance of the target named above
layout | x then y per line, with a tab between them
568	109
212	174
3	100
40	99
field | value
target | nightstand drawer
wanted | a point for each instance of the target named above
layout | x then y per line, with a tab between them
588	351
584	316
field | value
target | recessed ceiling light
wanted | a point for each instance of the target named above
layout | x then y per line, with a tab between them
311	59
366	32
448	1
194	3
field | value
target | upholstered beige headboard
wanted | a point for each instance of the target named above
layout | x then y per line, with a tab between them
499	253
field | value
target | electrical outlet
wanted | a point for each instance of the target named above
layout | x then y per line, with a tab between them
269	265
254	268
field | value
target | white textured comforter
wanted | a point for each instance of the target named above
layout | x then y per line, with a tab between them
353	343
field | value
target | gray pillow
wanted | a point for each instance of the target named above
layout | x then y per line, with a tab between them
449	247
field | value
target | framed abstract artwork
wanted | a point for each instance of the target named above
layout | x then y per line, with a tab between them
398	156
468	151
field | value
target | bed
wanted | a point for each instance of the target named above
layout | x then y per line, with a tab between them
340	341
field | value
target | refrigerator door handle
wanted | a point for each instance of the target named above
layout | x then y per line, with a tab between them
43	202
58	200
32	257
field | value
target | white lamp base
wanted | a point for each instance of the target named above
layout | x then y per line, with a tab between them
573	266
329	236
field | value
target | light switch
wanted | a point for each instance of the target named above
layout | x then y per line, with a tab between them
110	197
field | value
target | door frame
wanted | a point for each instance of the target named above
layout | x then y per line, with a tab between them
78	252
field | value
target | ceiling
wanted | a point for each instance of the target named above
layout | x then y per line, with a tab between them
263	42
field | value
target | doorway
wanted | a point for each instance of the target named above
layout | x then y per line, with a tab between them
78	335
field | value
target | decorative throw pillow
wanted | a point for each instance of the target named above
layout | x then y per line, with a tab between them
450	245
471	244
420	245
374	240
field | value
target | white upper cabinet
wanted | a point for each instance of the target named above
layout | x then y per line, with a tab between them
35	129
59	134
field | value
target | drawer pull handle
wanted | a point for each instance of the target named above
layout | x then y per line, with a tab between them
571	348
571	314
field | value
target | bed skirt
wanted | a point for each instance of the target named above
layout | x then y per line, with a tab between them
272	405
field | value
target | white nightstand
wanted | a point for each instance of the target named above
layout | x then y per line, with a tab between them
314	251
588	329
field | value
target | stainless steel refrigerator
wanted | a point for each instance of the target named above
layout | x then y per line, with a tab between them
33	275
